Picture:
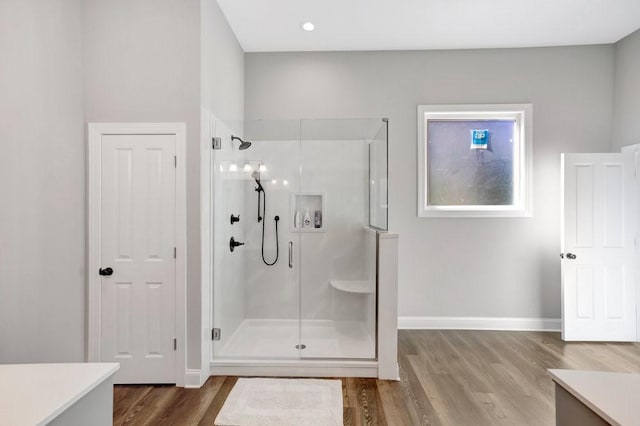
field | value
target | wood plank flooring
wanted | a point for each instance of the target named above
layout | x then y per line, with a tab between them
447	378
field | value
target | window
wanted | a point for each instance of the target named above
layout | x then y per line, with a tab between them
474	160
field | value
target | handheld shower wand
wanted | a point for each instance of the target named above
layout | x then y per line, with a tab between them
262	194
256	176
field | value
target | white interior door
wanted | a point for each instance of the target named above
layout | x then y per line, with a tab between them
598	238
137	241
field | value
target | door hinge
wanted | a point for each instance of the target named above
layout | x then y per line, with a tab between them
175	253
216	143
175	344
175	161
215	334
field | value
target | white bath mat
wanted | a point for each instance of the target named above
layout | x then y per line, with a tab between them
283	402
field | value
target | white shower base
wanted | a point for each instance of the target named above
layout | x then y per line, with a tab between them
270	339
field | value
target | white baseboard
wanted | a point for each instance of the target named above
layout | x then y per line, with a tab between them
479	323
192	378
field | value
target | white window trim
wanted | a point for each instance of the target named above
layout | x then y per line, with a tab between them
523	114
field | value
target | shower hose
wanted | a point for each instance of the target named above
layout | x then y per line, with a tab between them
277	218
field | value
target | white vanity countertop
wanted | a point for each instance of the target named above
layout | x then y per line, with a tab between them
35	394
613	396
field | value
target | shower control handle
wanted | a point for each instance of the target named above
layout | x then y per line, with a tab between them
233	244
290	254
235	218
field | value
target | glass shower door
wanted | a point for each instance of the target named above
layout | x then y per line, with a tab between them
337	244
256	297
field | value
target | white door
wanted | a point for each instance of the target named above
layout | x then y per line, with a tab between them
598	237
137	240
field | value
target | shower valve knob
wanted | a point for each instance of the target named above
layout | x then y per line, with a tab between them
233	244
235	219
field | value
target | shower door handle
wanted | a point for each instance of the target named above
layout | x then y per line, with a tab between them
290	254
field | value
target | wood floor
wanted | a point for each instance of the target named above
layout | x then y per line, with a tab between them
447	378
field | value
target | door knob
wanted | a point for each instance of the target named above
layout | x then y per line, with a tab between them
571	256
233	244
105	272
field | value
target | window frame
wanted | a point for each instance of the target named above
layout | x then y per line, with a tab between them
523	188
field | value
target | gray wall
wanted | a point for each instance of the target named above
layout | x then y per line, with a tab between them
626	107
142	63
222	66
457	267
68	62
41	182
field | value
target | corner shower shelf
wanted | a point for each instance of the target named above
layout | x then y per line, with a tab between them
360	287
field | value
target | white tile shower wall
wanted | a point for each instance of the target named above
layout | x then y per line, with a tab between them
271	291
339	169
229	268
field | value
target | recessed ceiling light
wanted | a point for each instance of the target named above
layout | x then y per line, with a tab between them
308	26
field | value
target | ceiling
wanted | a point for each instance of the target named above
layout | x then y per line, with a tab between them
275	25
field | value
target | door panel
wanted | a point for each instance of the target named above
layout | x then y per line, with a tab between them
584	289
584	206
122	315
614	205
137	241
615	292
598	243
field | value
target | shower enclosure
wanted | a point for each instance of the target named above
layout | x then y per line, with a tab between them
295	221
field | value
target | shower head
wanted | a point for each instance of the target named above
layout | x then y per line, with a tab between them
243	144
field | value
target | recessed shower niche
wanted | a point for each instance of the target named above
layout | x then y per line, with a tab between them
307	192
307	212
